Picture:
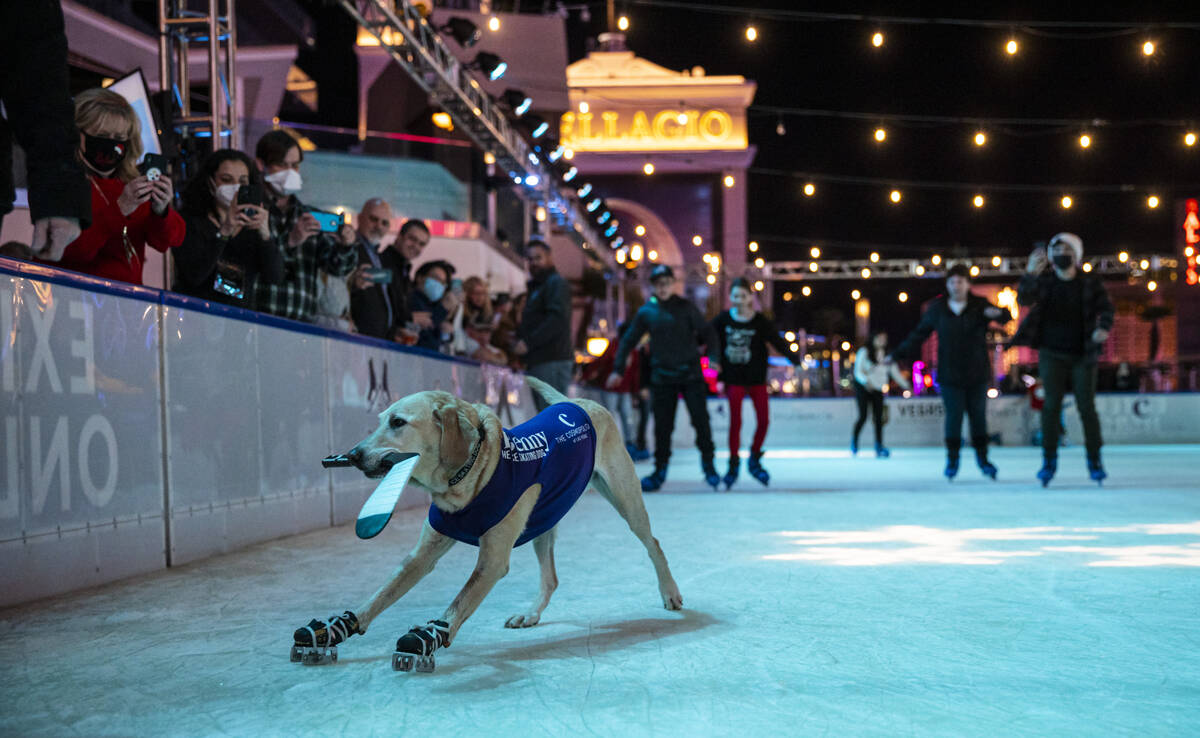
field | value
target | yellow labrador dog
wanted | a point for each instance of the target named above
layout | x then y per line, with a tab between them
461	447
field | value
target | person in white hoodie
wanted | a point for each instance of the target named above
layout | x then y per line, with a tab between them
872	371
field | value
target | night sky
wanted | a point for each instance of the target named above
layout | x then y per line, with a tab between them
947	71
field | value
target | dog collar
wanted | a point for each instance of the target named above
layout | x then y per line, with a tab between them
461	473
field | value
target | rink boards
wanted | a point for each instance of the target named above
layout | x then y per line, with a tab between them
140	429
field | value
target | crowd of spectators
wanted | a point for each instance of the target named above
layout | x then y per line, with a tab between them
239	234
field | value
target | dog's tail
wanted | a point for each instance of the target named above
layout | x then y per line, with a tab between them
547	393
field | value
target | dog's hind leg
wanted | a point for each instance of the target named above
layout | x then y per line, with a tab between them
626	497
543	545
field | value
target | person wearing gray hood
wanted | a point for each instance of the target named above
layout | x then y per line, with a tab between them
1068	322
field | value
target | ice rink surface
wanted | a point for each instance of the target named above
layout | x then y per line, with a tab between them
852	597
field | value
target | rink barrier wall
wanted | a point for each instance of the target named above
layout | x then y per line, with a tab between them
140	429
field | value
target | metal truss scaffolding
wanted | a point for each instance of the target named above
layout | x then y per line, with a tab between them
417	47
180	26
817	269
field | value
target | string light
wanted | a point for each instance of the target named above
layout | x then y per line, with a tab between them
568	154
1189	139
584	107
813	267
978	201
729	181
1148	48
936	260
1123	257
980	138
639	229
1066	202
493	24
855	294
711	279
758	286
902	297
751	33
787	297
815	252
759	262
779	129
895	196
806	290
1085	141
1011	47
753	247
880	134
1087	267
1152	285
996	261
1152	202
696	240
920	270
648	168
652	255
682	118
1145	264
810	189
623	23
974	271
866	273
874	257
877	39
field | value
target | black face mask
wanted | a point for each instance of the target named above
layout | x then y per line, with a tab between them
103	154
1064	260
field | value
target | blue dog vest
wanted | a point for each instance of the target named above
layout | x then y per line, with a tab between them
556	448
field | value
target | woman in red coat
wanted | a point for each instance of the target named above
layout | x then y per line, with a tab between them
129	211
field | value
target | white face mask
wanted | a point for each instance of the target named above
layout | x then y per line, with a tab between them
285	181
225	193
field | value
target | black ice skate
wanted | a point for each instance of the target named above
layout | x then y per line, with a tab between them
316	643
755	467
985	466
1046	473
652	482
711	478
415	648
732	474
953	446
1096	470
881	451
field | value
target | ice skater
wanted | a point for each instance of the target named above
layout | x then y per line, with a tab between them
676	330
961	319
495	489
872	369
742	334
1068	322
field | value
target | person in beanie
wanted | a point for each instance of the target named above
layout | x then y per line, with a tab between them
676	330
964	370
1068	322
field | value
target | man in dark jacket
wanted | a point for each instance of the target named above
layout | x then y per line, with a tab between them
544	336
676	330
964	369
371	303
33	90
1068	322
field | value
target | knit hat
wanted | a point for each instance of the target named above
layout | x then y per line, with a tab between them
1070	239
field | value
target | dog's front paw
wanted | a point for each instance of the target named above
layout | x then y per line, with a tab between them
523	621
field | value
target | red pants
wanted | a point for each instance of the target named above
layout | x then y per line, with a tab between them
758	395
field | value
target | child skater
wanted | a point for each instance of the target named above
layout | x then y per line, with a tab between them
743	335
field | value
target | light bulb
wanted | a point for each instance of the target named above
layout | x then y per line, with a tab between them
493	24
810	189
639	229
855	294
1011	46
584	107
880	134
895	196
874	257
980	138
1066	201
902	297
877	40
753	246
1148	48
751	33
729	181
1189	139
648	168
780	130
978	201
1152	202
1085	141
806	290
815	252
623	23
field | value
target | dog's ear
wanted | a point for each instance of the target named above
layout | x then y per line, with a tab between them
457	436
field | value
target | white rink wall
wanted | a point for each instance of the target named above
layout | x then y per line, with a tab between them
140	429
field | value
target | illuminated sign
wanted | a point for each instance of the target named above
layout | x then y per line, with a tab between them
1191	240
653	130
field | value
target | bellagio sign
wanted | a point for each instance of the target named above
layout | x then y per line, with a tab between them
666	129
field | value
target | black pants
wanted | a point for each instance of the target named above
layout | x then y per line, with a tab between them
643	410
1054	368
973	399
663	398
869	399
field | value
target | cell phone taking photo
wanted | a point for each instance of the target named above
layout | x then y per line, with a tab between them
378	276
250	194
153	167
328	222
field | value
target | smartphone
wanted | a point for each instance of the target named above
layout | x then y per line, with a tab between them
250	194
456	286
153	166
329	222
379	276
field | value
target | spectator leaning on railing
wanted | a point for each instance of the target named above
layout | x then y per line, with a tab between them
129	210
306	249
228	249
39	115
371	300
429	312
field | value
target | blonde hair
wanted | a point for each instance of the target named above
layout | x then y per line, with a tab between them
97	106
485	312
